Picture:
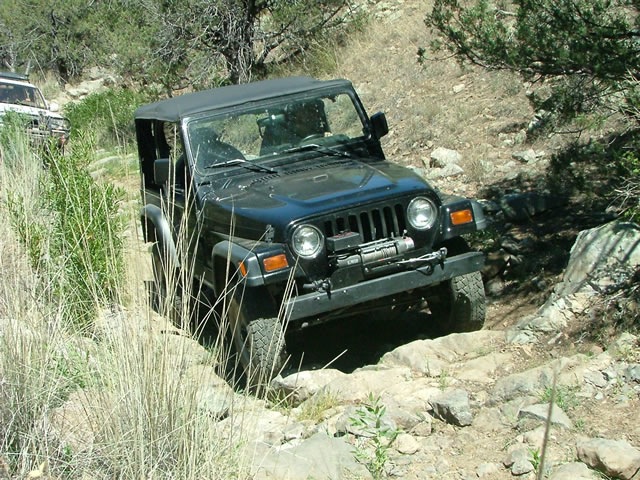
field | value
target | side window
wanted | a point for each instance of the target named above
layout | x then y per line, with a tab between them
343	117
171	146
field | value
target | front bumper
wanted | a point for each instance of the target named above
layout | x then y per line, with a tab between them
316	303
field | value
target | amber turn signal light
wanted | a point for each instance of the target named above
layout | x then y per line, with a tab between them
461	217
275	263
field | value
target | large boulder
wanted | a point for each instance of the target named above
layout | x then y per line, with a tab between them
602	257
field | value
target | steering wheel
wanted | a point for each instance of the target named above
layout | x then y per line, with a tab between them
313	136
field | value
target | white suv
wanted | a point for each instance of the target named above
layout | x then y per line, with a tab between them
20	96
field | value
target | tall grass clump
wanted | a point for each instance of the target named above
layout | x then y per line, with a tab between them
107	115
35	368
122	399
72	231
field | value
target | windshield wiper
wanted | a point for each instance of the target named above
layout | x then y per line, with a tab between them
256	167
320	148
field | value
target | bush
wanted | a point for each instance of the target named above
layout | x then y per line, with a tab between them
107	116
585	50
72	232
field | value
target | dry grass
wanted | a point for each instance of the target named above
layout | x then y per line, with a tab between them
436	104
125	400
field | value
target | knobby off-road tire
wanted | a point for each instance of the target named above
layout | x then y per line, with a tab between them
167	295
258	337
460	304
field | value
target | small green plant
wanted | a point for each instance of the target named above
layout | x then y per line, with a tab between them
369	418
628	194
564	397
535	458
443	379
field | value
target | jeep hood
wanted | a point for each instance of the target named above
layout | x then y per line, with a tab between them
27	110
303	190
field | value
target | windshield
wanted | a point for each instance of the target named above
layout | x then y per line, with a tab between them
17	94
270	132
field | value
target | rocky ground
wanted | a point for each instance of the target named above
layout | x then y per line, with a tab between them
537	395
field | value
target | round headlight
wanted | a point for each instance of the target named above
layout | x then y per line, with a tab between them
422	213
306	241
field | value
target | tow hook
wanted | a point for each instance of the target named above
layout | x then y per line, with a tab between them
319	286
432	259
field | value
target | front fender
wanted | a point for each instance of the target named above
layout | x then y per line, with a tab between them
251	261
227	252
453	204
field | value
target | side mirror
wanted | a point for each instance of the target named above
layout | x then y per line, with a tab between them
161	171
379	122
54	107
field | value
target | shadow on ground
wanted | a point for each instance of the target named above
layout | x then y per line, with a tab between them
353	343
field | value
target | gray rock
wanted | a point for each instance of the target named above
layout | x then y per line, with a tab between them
212	393
533	381
522	206
405	420
301	386
453	407
614	458
487	469
540	412
525	156
522	467
319	457
442	157
519	461
632	373
597	379
406	444
450	170
601	257
573	471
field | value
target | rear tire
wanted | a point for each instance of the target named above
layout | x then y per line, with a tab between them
167	295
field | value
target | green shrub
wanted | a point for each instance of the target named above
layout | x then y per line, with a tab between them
107	116
73	235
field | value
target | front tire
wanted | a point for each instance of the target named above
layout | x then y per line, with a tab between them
258	336
459	304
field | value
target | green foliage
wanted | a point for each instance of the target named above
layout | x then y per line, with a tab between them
535	458
49	34
369	418
564	397
14	144
586	51
75	237
178	44
107	115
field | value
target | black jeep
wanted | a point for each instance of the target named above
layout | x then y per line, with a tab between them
276	199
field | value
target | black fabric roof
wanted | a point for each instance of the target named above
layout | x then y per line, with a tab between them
173	109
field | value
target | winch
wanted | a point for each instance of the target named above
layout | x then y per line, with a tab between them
373	251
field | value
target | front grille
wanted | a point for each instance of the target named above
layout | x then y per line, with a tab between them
372	224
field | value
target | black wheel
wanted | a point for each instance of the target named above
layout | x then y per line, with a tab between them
258	336
458	305
166	296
